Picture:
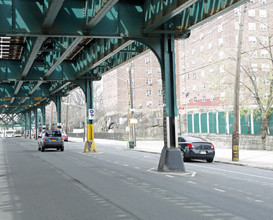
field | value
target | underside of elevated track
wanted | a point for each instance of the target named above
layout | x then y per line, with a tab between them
50	47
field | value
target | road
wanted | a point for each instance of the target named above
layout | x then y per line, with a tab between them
118	183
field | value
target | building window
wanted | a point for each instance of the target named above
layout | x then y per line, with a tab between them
254	67
212	98
252	40
201	48
251	12
149	103
201	35
222	69
193	62
263	13
262	1
182	54
222	81
193	88
222	95
265	67
148	71
203	85
220	28
202	73
264	40
128	70
221	55
149	81
236	12
148	60
148	92
194	75
254	53
159	81
264	53
251	26
210	71
193	39
194	99
252	1
220	41
263	27
237	26
210	45
210	59
209	32
203	98
158	70
193	51
160	102
159	92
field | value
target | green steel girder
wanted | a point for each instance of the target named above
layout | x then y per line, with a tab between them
54	56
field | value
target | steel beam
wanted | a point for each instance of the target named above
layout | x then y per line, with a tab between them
100	14
159	12
52	13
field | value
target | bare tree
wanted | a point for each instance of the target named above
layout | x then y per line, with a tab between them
258	80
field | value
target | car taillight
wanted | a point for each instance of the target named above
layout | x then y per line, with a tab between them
62	138
212	147
43	139
190	145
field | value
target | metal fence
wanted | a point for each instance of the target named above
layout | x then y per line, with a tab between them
222	123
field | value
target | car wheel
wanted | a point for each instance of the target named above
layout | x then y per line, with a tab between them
62	148
43	149
210	160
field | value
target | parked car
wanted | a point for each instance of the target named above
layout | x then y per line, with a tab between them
65	136
51	139
196	148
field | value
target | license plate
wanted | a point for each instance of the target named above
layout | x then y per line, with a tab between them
53	140
203	152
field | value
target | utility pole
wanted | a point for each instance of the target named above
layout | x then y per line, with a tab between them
132	105
235	132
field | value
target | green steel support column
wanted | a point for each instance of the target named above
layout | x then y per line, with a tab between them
90	145
25	114
43	110
59	112
29	124
36	122
171	157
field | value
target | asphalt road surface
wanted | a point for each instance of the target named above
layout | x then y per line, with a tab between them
118	183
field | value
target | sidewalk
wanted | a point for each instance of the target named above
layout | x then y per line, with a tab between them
251	158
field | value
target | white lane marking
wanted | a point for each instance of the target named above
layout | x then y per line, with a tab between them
191	182
230	171
137	168
193	174
219	190
169	176
126	165
256	200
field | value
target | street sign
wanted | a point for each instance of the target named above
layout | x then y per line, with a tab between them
91	114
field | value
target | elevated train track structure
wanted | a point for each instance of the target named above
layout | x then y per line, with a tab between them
50	47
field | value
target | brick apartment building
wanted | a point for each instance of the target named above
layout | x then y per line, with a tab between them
205	66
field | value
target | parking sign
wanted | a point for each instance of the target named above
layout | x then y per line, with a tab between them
91	114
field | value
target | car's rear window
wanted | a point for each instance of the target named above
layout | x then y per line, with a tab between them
193	139
53	134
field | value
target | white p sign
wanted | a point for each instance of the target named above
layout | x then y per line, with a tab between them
91	114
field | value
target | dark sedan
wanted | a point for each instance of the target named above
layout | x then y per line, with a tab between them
196	148
51	139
